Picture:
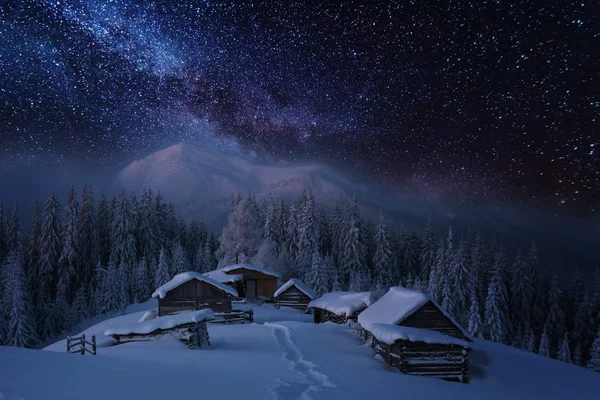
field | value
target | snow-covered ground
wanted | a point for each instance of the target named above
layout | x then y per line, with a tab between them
281	356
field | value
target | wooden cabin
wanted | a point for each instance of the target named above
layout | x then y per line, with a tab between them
294	293
235	281
411	331
258	283
422	352
340	307
193	291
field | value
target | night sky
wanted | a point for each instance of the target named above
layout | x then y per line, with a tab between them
494	100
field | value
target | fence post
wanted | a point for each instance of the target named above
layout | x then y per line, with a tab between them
94	344
83	344
68	344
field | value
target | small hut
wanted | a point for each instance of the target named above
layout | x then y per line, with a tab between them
339	307
294	293
258	283
193	291
411	331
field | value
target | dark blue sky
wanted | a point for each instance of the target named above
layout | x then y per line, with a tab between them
476	100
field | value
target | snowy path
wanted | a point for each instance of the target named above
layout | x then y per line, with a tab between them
313	381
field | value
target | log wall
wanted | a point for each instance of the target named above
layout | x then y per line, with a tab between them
194	295
431	317
266	285
448	362
293	297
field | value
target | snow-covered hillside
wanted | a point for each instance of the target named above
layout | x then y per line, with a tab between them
281	356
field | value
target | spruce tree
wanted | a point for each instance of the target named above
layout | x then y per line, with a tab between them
530	341
496	305
308	233
594	360
142	285
521	296
242	235
4	243
428	251
538	303
382	259
462	284
475	324
556	317
353	258
32	250
87	240
79	309
21	327
479	268
103	227
179	262
317	279
544	348
564	351
577	355
67	262
435	284
123	244
162	272
122	287
49	251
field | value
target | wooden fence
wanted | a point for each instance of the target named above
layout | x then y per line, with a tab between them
78	345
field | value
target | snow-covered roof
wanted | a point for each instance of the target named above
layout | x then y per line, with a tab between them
184	277
388	333
397	305
220	276
343	303
299	284
162	323
251	268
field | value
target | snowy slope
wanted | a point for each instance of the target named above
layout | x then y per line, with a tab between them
282	356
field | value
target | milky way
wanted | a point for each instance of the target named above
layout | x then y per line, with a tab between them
482	99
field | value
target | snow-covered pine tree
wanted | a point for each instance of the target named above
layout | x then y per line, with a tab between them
280	226
4	245
594	360
317	278
148	225
123	245
521	297
142	285
583	322
359	282
496	304
578	355
462	284
209	263
21	330
122	287
538	307
419	285
79	308
32	250
564	350
382	259
475	324
428	250
556	317
353	258
98	298
103	223
335	227
87	240
242	235
49	250
578	288
14	229
179	262
308	233
544	348
67	263
269	220
479	268
162	272
411	255
291	234
152	270
435	283
595	292
193	241
335	283
530	341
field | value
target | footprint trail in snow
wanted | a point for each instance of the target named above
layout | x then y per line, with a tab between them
314	381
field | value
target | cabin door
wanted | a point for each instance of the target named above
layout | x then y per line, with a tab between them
251	289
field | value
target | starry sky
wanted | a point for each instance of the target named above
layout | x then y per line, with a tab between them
493	100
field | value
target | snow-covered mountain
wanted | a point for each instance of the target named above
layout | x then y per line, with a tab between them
200	181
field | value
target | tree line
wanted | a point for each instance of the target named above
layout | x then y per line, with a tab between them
90	256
